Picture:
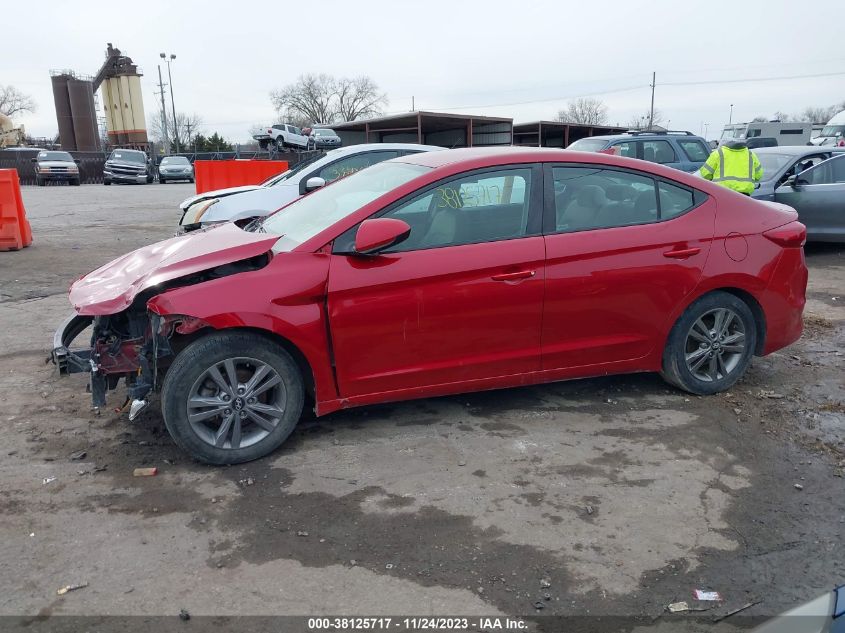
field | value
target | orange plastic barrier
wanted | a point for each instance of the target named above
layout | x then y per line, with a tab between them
15	232
221	174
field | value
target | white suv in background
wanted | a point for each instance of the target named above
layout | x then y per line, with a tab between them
282	135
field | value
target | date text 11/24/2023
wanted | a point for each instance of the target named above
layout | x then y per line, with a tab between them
421	623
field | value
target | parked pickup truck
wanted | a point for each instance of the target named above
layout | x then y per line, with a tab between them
281	135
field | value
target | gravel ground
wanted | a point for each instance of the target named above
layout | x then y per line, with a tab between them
601	497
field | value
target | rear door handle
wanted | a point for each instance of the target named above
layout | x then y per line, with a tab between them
522	274
682	253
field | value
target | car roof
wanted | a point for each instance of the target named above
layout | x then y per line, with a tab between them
373	147
797	150
640	136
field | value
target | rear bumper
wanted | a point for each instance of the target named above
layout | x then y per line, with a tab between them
71	361
783	300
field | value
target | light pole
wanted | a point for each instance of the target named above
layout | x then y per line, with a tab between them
731	115
172	100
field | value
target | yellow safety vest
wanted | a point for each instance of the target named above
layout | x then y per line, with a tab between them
736	169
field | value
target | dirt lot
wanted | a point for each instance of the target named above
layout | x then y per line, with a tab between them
607	497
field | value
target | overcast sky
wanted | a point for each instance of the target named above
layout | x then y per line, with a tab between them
505	58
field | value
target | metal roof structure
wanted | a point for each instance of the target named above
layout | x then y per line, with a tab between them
430	128
556	133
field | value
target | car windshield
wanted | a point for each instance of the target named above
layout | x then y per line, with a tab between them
308	216
772	163
132	157
589	145
324	133
280	178
62	156
175	160
833	130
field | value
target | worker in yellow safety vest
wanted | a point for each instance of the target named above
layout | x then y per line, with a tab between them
734	166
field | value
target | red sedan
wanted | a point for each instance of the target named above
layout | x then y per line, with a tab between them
440	273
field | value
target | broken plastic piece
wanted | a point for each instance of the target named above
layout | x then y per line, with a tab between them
67	588
678	607
706	596
145	472
136	408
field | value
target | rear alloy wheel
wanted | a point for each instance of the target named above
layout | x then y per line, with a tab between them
711	345
231	398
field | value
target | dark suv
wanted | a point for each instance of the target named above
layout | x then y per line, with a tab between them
128	165
681	150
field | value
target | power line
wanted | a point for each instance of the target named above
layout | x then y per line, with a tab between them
749	80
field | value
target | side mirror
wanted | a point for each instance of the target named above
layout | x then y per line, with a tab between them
314	182
77	161
380	233
33	160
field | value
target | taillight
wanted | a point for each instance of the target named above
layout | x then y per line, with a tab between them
792	235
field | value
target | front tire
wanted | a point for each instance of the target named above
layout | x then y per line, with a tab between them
232	397
161	180
711	345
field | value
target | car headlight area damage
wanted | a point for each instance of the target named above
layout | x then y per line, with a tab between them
136	344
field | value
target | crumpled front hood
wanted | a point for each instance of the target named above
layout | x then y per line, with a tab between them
113	287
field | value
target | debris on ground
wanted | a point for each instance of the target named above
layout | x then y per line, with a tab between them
145	472
539	605
48	480
99	469
68	588
249	481
302	533
799	487
748	605
545	583
678	607
772	395
706	596
184	615
389	566
136	408
79	455
589	509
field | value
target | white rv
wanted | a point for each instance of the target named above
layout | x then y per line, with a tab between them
833	132
768	133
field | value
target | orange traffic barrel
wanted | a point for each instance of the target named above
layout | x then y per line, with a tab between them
15	232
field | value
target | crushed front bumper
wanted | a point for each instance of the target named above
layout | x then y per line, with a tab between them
71	361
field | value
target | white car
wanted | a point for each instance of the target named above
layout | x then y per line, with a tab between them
226	205
282	135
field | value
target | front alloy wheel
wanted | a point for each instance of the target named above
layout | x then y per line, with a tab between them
232	397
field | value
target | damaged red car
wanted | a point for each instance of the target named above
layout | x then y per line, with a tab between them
436	274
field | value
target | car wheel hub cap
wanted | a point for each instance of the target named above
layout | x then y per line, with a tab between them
236	403
715	345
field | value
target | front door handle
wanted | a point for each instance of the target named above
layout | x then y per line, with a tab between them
682	253
522	274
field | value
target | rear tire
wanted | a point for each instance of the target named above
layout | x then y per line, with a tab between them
711	345
107	182
75	182
161	180
209	386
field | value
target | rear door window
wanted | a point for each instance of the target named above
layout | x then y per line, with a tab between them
351	164
659	152
695	150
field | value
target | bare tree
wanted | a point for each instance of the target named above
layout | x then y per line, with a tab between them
641	122
358	98
314	99
187	126
311	97
13	101
585	110
783	117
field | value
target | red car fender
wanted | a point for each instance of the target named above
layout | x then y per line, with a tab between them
285	299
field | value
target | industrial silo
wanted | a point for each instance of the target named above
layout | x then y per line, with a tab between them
81	96
64	116
120	82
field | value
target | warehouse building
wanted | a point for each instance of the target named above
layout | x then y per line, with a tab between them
557	134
